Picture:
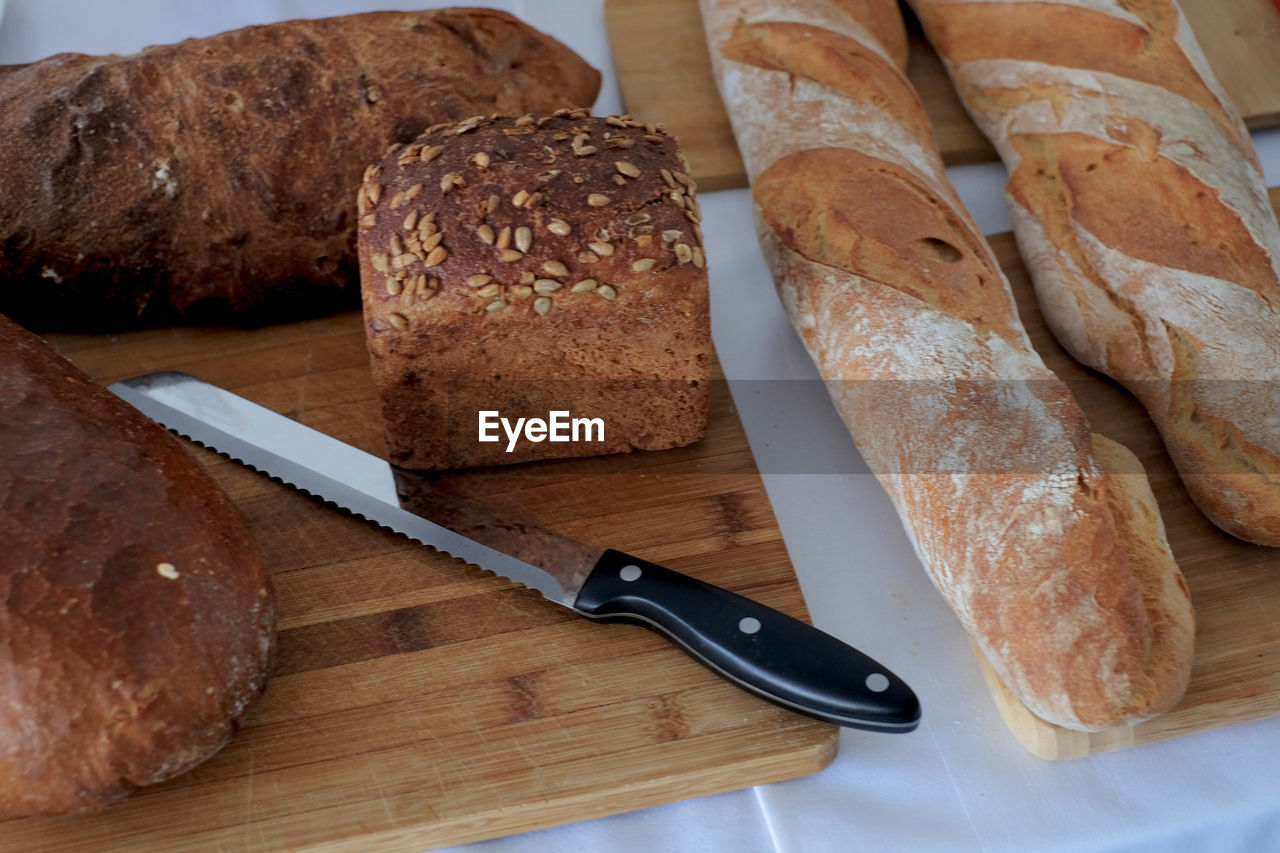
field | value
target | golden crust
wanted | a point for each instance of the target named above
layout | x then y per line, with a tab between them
836	61
886	224
882	19
1069	36
1177	221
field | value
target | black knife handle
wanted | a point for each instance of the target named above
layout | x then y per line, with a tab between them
756	647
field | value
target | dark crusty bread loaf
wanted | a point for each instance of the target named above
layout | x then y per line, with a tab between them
136	619
525	266
1043	536
212	180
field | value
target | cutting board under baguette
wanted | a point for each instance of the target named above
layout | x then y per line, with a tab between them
660	53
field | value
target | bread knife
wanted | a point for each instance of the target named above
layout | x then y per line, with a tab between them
762	650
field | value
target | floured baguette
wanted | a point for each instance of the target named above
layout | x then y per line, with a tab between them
1140	209
1043	536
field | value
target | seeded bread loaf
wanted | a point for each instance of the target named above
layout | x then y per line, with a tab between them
212	180
1043	536
1141	211
136	619
527	266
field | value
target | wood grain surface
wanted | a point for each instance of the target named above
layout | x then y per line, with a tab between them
417	702
1235	586
664	70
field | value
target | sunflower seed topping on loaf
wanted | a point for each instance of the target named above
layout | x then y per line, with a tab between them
543	246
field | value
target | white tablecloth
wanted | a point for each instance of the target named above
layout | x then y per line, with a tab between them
958	783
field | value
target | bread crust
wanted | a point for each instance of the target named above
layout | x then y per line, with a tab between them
136	617
1141	211
524	266
1042	535
212	180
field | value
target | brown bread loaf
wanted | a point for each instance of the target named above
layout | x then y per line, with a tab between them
212	180
1141	211
525	266
1043	536
136	618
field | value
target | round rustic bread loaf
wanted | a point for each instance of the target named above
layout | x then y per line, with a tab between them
136	618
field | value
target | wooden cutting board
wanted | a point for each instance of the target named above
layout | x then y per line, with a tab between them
1235	587
417	702
660	54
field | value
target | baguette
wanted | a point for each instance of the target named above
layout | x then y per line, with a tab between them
212	180
1141	211
1042	536
136	617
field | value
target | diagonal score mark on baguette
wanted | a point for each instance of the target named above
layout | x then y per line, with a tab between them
911	240
1140	40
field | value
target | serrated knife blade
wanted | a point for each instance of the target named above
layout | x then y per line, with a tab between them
334	471
760	649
